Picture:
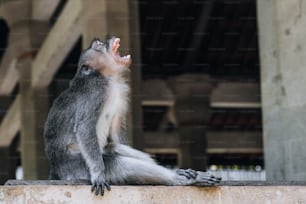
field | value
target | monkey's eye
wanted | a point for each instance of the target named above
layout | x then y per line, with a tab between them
86	70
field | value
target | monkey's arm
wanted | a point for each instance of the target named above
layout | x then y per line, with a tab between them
89	146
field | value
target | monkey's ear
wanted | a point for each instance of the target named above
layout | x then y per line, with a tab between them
97	44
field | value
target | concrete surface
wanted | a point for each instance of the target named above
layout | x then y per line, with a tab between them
283	78
153	194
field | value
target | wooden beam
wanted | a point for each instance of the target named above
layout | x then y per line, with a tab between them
235	104
43	9
8	73
200	27
59	42
236	150
54	50
10	124
236	95
14	11
161	140
155	92
218	141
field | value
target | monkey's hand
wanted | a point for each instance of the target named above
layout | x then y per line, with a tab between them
99	184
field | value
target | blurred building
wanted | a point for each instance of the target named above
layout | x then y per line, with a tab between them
196	80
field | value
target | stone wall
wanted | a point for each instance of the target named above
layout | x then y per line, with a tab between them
154	194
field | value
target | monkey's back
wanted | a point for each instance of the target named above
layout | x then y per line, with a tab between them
76	105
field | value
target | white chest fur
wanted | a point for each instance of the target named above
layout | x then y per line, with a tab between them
113	111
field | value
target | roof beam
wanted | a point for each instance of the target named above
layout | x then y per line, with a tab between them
10	124
57	45
43	9
54	50
8	73
200	27
236	95
14	11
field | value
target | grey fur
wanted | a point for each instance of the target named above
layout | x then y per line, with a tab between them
78	149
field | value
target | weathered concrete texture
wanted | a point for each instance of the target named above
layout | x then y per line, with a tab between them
153	194
283	78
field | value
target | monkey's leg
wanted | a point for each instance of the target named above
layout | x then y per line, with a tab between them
125	150
90	150
127	170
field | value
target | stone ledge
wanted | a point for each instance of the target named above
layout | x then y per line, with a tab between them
86	182
65	193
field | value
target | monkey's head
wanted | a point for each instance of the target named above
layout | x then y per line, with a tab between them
104	58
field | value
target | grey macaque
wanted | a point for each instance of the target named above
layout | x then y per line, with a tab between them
84	131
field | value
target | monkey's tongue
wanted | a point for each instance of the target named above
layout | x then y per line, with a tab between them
115	46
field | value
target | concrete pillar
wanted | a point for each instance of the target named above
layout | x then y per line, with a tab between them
135	129
283	80
192	95
106	18
33	102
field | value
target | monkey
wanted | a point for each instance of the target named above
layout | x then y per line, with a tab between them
84	133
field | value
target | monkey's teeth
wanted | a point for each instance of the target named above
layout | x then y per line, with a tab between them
127	57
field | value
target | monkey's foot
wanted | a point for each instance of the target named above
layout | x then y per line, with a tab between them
188	173
206	179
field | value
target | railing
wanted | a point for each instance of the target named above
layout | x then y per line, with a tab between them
240	175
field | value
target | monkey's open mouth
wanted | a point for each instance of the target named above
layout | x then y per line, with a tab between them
126	60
